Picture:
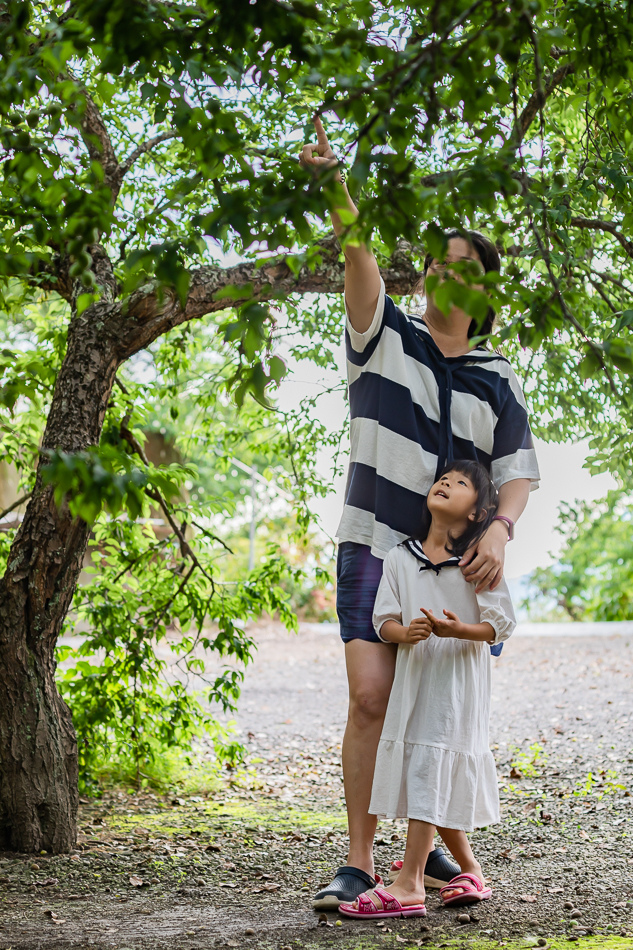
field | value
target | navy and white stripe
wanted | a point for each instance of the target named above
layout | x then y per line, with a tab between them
412	409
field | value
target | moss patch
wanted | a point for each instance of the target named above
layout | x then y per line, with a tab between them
213	818
372	941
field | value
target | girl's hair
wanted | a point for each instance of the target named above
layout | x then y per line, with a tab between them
486	506
489	257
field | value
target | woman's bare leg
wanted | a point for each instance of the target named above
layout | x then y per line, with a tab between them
370	670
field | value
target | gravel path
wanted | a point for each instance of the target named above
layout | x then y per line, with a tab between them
239	868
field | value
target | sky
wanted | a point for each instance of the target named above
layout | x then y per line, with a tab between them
536	542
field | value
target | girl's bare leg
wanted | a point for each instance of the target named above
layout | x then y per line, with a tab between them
409	888
459	846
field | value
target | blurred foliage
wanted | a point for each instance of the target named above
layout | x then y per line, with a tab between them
593	576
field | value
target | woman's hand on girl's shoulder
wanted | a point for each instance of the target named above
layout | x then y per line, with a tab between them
483	565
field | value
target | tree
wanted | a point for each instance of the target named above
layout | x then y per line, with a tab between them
593	576
143	140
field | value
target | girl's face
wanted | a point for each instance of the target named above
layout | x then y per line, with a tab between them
454	495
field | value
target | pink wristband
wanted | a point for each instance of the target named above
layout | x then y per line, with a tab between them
508	523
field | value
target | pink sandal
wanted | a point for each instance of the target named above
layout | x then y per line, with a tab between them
470	890
365	908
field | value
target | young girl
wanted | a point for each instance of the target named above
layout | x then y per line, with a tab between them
434	765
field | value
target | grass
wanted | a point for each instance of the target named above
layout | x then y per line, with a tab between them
212	817
374	940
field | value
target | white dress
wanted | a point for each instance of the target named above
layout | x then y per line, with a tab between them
434	762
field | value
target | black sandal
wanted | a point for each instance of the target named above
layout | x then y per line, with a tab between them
345	888
439	870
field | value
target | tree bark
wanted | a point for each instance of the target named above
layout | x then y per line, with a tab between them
38	747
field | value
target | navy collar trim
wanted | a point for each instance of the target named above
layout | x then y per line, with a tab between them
415	548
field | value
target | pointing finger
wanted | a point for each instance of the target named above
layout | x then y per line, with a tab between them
320	131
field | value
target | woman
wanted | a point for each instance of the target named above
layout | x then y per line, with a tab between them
419	397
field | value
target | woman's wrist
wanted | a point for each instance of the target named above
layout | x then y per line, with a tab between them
500	528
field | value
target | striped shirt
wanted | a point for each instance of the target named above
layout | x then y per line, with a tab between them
413	410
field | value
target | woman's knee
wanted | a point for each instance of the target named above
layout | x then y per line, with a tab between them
367	706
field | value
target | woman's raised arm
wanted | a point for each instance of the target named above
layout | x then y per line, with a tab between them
362	278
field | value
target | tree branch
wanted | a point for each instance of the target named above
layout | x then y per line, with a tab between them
597	224
97	140
149	314
538	99
125	166
155	495
16	504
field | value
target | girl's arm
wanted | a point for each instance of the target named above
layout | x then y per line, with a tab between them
362	277
419	629
452	626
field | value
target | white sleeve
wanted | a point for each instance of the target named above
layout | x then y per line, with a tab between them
360	340
387	606
495	608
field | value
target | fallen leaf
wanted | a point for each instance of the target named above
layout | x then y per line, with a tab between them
269	887
555	890
528	898
214	847
514	773
508	854
136	881
47	882
227	884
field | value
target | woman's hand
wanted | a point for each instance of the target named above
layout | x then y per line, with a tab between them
483	564
325	157
449	627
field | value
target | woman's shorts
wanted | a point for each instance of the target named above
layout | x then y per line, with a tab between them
358	575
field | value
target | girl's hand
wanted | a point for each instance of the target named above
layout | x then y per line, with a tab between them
419	629
483	565
451	627
325	157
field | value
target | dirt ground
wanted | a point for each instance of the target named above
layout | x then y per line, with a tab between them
237	867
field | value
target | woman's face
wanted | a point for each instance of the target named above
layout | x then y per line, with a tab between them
458	250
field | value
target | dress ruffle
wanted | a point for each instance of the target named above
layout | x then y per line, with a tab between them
449	789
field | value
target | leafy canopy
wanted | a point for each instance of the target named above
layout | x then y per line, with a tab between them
149	164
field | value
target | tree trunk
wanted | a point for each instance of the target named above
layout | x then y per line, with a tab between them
38	746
